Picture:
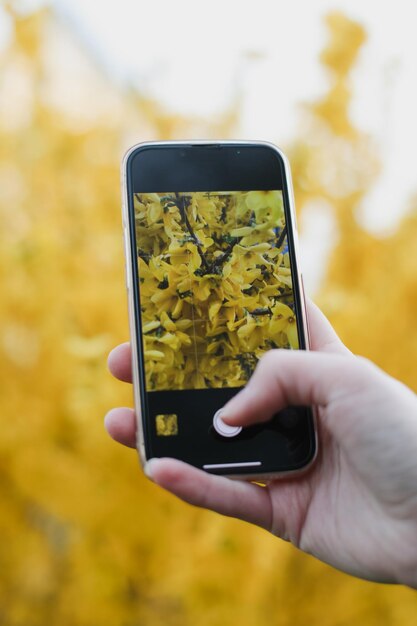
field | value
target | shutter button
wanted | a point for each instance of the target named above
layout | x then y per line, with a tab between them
224	429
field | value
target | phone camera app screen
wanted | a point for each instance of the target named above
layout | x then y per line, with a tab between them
215	287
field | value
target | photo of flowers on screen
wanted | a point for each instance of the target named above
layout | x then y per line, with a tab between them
215	286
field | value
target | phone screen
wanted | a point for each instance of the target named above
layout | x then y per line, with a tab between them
215	286
214	290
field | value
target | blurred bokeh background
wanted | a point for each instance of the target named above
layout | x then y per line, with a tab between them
85	539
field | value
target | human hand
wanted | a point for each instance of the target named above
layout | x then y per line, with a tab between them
356	508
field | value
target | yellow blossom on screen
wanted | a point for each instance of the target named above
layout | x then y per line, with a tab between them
215	286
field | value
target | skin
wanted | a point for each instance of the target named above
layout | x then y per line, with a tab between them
356	508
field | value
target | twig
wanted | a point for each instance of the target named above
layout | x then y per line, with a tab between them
281	237
181	207
222	258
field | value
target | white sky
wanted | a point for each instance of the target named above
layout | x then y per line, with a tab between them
193	57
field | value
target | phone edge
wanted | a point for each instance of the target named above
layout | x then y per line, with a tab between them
139	435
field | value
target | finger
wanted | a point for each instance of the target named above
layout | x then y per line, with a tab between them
292	377
240	499
121	425
323	337
119	362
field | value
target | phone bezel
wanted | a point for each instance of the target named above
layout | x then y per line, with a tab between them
133	295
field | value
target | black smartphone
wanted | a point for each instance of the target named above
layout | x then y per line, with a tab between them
213	283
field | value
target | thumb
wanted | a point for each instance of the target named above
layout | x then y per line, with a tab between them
287	377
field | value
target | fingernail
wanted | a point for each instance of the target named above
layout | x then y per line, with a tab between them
148	467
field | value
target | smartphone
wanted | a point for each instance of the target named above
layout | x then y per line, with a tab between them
213	283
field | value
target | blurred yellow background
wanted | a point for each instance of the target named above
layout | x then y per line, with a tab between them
85	539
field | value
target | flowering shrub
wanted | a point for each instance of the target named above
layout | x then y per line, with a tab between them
215	285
